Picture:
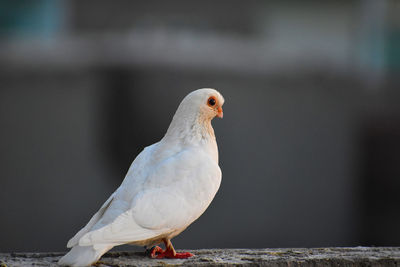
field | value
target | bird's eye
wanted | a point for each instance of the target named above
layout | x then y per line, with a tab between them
212	101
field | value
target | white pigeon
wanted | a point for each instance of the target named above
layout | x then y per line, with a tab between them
168	186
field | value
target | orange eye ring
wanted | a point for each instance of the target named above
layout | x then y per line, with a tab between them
212	101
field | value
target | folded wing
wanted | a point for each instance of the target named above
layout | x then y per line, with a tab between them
174	194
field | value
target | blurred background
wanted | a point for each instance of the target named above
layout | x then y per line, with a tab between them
310	140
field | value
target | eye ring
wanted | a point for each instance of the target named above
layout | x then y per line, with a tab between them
212	101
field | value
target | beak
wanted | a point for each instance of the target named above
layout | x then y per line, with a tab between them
220	113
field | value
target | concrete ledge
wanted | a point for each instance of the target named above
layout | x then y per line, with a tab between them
357	256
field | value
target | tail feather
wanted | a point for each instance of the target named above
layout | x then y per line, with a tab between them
75	240
83	255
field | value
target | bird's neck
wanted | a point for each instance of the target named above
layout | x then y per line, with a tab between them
193	133
191	130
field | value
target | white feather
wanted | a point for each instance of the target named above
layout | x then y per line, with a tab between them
75	240
83	256
168	186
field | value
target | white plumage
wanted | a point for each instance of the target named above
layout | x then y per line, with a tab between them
168	186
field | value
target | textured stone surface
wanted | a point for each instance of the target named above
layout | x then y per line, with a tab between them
357	256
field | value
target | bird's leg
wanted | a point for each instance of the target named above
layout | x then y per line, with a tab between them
169	252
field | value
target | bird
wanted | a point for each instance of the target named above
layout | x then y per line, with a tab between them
167	187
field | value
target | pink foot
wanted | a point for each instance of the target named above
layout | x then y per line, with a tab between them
154	251
159	253
183	255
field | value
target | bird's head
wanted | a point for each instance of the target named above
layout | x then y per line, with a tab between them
207	101
194	114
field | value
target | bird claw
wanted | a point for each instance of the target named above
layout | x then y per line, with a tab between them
182	255
158	253
154	251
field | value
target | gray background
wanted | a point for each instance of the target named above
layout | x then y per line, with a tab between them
310	140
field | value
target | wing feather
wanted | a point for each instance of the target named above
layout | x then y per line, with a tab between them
96	217
175	193
122	230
